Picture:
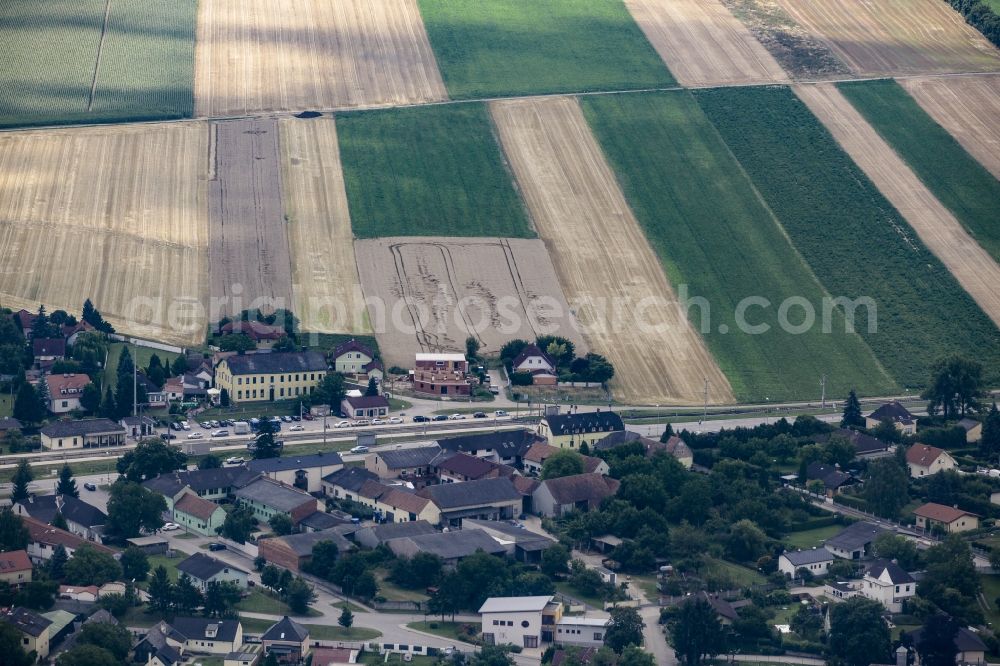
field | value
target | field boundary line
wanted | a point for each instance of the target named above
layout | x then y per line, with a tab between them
100	50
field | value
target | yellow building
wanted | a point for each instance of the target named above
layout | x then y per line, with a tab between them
34	630
569	431
269	377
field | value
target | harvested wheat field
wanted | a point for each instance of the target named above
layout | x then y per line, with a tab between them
703	44
249	265
326	290
971	265
430	294
968	107
896	36
268	55
131	235
610	274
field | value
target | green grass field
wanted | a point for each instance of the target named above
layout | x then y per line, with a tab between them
140	356
431	171
811	538
959	182
740	575
50	60
6	405
442	629
716	239
524	47
856	243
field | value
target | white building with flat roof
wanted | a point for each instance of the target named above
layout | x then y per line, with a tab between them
582	631
522	621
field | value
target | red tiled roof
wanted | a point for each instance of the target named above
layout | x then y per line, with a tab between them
941	513
49	347
923	455
72	384
40	532
403	500
15	560
254	330
196	506
349	346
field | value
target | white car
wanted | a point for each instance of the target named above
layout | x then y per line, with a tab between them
362	422
342	424
359	449
456	417
378	422
220	433
185	425
196	435
395	419
170	527
500	412
235	460
296	428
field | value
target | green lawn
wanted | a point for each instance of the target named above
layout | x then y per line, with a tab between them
716	239
373	659
991	590
856	243
327	342
325	633
959	182
442	629
47	66
137	617
740	575
140	356
6	405
168	563
524	47
810	538
393	592
259	601
570	591
428	171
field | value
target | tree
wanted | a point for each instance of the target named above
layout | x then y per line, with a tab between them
858	635
284	344
93	317
38	595
346	619
886	487
746	541
989	445
161	591
936	646
696	634
22	477
562	463
366	586
59	521
239	524
185	598
298	595
624	628
224	398
221	598
57	563
492	655
852	412
955	389
634	656
555	560
114	638
211	461
372	389
42	326
150	458
271	659
109	408
236	342
950	581
807	623
87	655
10	647
135	564
67	484
132	509
265	446
13	534
28	404
89	566
471	348
90	399
281	524
889	546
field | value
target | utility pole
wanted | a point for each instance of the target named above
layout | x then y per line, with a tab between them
822	385
704	411
135	383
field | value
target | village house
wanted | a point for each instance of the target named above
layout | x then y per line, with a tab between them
302	472
48	349
832	478
573	430
86	593
579	492
854	541
502	446
82	519
270	377
396	505
865	446
887	583
894	413
160	646
82	434
287	640
64	392
44	538
334	656
364	406
208	636
462	467
355	358
215	485
535	457
523	621
138	427
263	335
411	464
345	483
969	648
520	544
441	374
923	460
581	631
204	570
451	547
973	430
267	498
816	561
932	516
538	364
34	629
373	536
294	551
9	425
15	568
487	499
198	515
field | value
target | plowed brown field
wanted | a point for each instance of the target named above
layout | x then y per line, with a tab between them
430	294
703	44
604	262
968	107
114	214
269	55
326	288
971	265
891	37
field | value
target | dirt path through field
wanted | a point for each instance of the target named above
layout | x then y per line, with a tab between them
703	44
325	283
968	107
249	263
896	36
604	262
971	265
269	55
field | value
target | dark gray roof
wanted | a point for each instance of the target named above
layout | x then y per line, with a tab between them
863	443
591	488
387	531
203	567
446	545
285	464
892	411
565	424
26	621
854	537
279	362
463	464
897	574
321	520
196	628
273	494
524	539
406	458
800	558
506	443
350	478
82	427
471	493
7	423
201	480
831	477
286	629
616	438
45	507
965	640
302	544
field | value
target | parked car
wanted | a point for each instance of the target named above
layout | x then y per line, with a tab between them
342	424
167	436
359	449
235	460
175	426
90	486
297	428
362	422
185	425
500	412
205	424
441	417
420	419
456	417
308	417
214	424
170	527
216	546
286	419
395	419
479	415
197	435
220	433
378	422
296	417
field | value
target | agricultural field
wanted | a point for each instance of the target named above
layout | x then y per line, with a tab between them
959	182
68	61
325	285
269	55
898	37
712	233
249	264
430	294
70	231
968	107
941	232
703	44
525	47
856	243
431	171
628	309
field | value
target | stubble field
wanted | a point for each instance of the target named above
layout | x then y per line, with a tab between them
896	36
136	228
270	55
703	44
629	310
430	294
326	288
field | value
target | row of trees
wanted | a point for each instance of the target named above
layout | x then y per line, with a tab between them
981	16
569	367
